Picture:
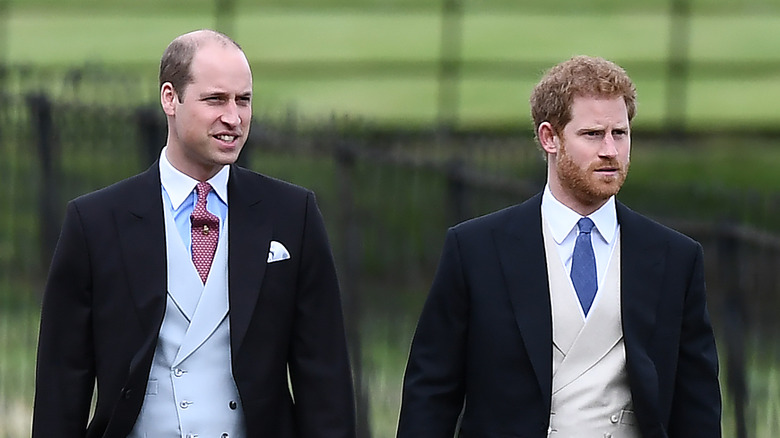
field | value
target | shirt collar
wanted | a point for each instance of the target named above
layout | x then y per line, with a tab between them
179	185
562	219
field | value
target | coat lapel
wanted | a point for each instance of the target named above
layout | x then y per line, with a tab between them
249	237
642	272
642	275
521	254
142	239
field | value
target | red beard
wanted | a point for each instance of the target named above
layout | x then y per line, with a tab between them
587	185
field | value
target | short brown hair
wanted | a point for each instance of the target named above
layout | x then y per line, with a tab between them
177	58
580	76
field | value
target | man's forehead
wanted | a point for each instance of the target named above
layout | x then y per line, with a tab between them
210	48
596	104
219	59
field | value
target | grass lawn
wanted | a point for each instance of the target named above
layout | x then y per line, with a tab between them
314	61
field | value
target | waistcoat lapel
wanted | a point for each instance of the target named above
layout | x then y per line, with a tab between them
567	315
184	288
205	306
582	344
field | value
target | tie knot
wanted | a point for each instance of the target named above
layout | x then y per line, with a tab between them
202	189
585	225
200	215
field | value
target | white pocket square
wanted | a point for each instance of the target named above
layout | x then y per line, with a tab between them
277	252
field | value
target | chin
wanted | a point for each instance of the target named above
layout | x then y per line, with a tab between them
606	192
228	157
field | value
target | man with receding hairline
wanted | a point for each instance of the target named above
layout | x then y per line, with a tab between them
568	315
198	298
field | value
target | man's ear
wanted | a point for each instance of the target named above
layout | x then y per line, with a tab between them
548	139
168	99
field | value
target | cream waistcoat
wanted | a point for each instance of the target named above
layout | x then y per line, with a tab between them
590	393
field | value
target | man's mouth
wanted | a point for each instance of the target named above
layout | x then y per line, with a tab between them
227	138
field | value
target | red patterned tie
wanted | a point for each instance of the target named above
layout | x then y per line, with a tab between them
205	233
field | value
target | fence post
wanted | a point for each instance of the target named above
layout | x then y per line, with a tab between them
734	322
448	104
350	242
151	132
679	66
4	14
49	197
457	202
251	143
225	16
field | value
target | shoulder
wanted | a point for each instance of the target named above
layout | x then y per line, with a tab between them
526	214
247	187
245	178
142	186
634	224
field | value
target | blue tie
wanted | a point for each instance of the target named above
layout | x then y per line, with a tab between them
583	266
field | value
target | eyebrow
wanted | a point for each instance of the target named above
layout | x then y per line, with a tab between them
601	128
208	94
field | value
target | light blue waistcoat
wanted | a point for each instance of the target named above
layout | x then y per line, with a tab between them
191	392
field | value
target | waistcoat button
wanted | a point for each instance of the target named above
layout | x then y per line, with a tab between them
233	405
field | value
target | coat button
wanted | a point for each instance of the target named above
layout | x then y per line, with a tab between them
185	404
127	393
225	435
178	372
614	419
233	405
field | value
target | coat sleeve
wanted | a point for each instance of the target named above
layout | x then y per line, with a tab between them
320	373
696	404
65	371
434	382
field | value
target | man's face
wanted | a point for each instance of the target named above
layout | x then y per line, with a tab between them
209	124
593	154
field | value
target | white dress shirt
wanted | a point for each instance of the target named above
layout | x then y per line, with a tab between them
562	222
179	196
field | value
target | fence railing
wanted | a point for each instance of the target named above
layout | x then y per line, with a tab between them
387	198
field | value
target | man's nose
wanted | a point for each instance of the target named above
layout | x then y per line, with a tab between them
608	147
231	115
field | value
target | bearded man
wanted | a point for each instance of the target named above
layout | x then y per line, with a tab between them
568	315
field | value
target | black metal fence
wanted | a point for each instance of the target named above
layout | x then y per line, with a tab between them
387	198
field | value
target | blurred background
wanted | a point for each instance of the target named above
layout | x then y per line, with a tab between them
406	117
